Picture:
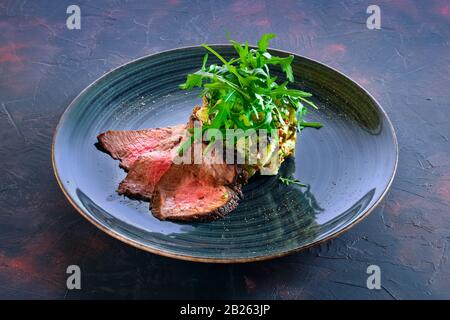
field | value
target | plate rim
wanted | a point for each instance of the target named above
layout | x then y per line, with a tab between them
168	254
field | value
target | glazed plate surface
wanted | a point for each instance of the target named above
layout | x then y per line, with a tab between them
348	165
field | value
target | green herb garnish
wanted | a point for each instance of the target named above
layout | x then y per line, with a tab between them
290	180
305	124
241	93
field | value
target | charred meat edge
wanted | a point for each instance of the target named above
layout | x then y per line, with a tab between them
230	205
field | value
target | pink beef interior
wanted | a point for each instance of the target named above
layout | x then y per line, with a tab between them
145	173
176	191
192	192
128	146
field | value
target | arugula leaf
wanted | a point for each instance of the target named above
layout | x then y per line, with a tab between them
290	180
263	42
241	92
305	124
193	80
205	59
285	64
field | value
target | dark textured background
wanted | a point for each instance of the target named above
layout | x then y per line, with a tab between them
406	66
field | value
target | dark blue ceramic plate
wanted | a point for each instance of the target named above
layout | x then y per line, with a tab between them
348	165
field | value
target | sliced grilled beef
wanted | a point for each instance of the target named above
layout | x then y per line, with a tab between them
177	191
146	155
127	146
198	191
144	174
184	193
